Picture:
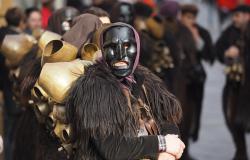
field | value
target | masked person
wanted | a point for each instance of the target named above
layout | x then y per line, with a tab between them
61	20
204	47
120	110
122	12
232	50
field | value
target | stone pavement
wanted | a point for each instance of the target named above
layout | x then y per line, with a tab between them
215	142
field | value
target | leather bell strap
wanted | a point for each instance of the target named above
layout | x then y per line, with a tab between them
146	121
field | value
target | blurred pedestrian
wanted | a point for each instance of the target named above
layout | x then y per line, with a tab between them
61	20
232	50
33	19
15	19
103	15
185	73
204	51
122	12
46	11
104	4
157	52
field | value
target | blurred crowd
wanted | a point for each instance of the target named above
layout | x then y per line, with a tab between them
173	46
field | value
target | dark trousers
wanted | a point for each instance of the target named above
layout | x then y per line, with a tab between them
230	104
11	116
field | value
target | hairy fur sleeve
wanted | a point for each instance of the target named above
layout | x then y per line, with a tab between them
164	105
97	106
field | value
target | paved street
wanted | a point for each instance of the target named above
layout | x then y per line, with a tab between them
215	141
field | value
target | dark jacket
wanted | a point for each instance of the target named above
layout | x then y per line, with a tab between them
5	83
243	109
231	36
207	52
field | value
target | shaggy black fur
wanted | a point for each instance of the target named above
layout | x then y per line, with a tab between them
33	142
97	107
28	76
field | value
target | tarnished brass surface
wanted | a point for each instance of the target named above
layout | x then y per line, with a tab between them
51	122
58	51
235	72
43	108
56	78
68	148
89	52
46	37
63	131
49	94
15	47
59	113
15	73
38	93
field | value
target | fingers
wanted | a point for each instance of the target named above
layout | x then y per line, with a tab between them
183	145
178	156
166	156
174	145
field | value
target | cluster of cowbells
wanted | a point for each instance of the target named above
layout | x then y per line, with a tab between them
60	69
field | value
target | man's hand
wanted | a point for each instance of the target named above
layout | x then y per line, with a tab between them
166	156
195	32
232	52
174	145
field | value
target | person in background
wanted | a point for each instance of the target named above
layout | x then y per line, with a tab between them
231	35
231	49
102	14
183	47
46	11
157	52
61	20
204	51
33	19
142	13
104	4
15	19
122	12
79	4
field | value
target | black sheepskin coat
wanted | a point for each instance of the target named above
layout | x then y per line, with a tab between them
97	107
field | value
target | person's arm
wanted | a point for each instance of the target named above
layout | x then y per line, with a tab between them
207	51
124	148
120	147
221	46
169	128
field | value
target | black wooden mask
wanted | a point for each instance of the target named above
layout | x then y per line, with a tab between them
120	50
